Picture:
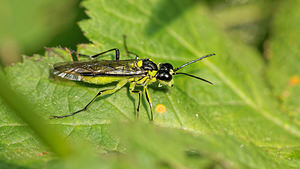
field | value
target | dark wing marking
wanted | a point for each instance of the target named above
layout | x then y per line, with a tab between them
95	68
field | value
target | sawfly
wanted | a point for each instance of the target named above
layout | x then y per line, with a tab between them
136	72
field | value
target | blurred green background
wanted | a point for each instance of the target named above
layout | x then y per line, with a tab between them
29	26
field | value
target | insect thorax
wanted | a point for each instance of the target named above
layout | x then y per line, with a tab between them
152	73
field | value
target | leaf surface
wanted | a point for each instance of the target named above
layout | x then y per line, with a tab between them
236	119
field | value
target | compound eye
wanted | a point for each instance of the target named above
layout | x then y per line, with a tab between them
164	75
167	77
166	66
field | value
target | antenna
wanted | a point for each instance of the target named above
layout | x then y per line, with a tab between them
193	61
194	77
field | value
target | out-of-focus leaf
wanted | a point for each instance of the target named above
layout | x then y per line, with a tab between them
283	52
28	26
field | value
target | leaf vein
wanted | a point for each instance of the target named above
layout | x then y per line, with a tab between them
176	113
227	80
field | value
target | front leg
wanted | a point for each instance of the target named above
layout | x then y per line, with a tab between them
149	101
131	89
138	107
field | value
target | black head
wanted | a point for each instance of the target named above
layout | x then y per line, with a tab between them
164	75
164	72
165	66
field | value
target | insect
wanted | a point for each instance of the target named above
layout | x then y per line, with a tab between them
136	72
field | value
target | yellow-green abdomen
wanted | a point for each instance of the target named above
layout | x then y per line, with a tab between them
101	79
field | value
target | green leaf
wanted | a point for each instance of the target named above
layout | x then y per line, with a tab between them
284	54
232	124
27	26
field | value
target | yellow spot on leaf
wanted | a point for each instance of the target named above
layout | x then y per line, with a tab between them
42	153
160	108
294	80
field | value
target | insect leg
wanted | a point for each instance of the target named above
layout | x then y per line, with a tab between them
98	54
138	107
114	49
100	93
131	89
126	49
149	101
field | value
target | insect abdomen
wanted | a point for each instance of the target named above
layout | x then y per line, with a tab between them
101	79
98	72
